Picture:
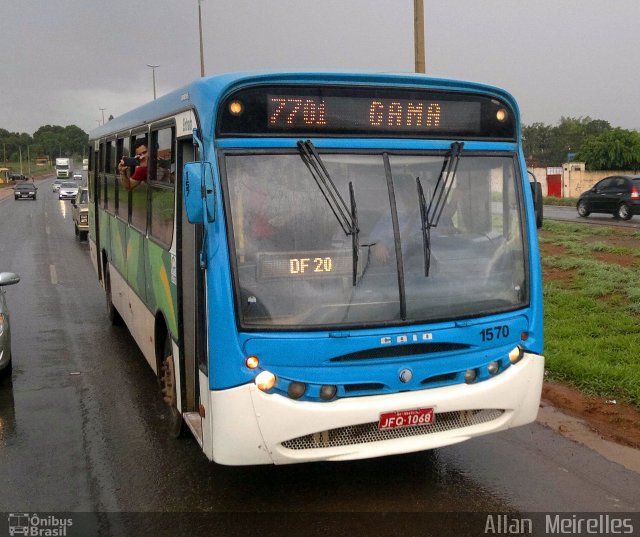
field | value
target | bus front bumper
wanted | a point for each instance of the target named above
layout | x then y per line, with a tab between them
252	427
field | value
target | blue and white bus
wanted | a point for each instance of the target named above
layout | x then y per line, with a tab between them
326	266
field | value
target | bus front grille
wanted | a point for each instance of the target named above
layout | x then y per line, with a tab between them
369	432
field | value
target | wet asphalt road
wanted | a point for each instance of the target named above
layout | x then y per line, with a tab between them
569	214
82	426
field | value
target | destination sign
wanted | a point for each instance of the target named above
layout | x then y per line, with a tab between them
304	265
379	115
364	111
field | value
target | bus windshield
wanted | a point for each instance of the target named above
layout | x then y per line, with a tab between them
294	262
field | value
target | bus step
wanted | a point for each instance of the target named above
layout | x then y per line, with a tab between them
194	422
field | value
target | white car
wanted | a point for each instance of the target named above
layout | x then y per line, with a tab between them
68	190
78	177
56	184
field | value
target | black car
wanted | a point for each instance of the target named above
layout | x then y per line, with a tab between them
618	195
25	191
16	177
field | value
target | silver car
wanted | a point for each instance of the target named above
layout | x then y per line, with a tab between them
68	190
6	278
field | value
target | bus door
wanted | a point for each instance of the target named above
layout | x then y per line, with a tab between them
191	298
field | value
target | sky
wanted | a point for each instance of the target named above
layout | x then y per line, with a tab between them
65	60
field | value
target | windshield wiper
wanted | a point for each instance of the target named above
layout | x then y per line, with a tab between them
346	217
430	216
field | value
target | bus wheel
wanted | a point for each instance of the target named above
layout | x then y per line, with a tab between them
169	394
112	312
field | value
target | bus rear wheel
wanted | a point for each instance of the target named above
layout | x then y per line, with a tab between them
175	422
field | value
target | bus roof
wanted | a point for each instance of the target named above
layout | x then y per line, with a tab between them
206	93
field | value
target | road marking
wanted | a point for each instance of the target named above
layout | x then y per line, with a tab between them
54	276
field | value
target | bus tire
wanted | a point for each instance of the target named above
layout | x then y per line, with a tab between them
5	372
114	317
175	423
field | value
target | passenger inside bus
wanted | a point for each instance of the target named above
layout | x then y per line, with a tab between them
129	179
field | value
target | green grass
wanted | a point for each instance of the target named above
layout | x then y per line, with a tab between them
570	202
592	311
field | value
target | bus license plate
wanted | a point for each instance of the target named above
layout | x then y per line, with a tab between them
406	418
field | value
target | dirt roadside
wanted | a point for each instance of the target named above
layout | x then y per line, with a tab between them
607	427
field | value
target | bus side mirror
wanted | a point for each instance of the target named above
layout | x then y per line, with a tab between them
536	190
199	192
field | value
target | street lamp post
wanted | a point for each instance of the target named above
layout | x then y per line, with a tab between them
201	46
153	70
102	110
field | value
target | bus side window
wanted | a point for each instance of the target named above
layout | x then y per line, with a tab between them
101	176
162	184
110	178
139	197
163	166
122	150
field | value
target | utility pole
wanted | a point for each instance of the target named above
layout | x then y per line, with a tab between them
201	46
20	148
102	110
418	32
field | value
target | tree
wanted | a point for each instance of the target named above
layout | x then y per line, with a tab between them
545	145
536	141
613	149
57	141
50	140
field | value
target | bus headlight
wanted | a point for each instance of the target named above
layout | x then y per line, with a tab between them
265	381
516	354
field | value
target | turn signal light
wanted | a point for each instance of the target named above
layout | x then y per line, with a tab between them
252	362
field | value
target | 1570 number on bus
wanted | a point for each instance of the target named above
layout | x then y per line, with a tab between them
495	332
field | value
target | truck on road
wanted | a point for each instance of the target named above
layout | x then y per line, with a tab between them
63	168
